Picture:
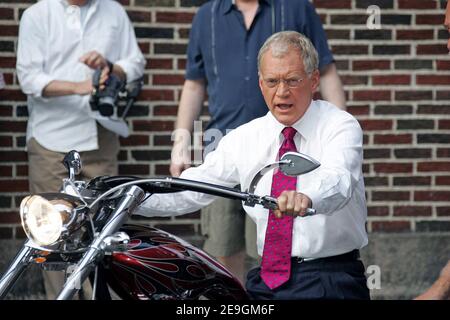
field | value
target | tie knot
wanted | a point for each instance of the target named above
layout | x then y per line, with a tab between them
289	133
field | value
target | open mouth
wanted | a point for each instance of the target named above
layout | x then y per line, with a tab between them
283	106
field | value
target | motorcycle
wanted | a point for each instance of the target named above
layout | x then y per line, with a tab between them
83	231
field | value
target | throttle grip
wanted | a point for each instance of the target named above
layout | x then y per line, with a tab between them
310	212
271	203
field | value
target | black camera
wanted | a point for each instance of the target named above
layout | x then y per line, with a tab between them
104	101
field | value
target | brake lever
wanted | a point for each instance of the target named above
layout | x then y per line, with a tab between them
272	204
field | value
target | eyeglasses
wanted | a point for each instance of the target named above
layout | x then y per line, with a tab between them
291	83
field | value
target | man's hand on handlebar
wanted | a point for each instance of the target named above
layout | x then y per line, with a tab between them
292	203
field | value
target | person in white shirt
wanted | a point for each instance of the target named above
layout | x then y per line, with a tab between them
61	43
325	246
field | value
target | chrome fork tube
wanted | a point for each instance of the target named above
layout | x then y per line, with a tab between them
132	198
19	264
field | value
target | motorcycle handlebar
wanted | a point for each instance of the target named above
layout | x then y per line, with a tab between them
171	184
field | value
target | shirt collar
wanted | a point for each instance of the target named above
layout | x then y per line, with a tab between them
305	126
93	3
227	5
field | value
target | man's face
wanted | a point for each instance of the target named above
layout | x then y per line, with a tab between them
285	85
447	23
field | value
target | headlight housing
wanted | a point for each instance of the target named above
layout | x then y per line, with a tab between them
43	219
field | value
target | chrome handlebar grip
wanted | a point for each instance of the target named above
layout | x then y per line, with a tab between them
271	203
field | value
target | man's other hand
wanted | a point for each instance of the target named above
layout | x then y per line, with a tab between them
180	160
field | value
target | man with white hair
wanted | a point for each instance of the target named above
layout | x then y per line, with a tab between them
314	257
221	64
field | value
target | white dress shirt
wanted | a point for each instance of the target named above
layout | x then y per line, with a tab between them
336	188
52	38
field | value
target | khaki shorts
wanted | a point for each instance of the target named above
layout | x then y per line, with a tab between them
46	171
228	229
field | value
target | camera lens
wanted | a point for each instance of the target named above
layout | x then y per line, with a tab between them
106	106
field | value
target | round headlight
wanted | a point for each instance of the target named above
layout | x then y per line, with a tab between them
41	220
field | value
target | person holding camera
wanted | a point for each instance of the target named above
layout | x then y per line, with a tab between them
61	43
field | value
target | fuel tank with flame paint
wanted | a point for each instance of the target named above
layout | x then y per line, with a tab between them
160	266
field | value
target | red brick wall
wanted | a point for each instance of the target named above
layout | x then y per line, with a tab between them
397	81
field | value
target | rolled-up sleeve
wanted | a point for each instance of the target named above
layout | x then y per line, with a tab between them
31	56
332	185
219	168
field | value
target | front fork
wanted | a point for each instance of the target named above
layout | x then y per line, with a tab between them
133	197
19	264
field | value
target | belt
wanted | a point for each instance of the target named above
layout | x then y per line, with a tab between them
349	256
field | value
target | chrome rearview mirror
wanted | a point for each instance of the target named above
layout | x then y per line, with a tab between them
295	163
291	164
72	162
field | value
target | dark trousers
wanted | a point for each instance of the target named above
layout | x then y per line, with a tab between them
316	279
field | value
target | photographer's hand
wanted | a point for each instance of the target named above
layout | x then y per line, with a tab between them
103	77
94	60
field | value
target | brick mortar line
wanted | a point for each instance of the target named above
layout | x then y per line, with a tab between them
166	9
384	27
363	11
395	72
424	116
166	41
408	218
408	187
396	87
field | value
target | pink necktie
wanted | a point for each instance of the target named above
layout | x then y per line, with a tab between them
276	259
